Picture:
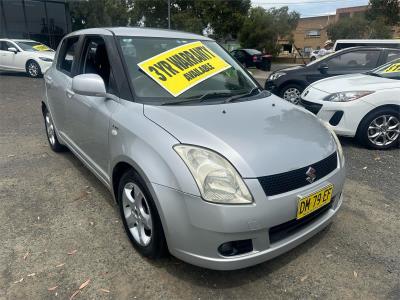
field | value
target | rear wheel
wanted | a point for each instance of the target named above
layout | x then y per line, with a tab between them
292	93
140	216
380	129
33	69
51	133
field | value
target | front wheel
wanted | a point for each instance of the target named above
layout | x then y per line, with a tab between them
140	216
380	129
292	93
33	69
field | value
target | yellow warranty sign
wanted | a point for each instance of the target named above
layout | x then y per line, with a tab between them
181	68
393	68
41	48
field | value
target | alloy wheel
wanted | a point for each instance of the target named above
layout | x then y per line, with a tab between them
384	130
292	95
137	214
33	69
51	135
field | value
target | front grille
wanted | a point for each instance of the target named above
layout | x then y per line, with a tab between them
313	107
288	181
284	230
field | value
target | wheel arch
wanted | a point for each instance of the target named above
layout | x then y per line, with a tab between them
289	82
385	106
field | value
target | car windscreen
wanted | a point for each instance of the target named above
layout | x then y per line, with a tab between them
253	51
33	46
232	80
390	70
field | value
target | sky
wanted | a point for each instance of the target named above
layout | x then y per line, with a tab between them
310	8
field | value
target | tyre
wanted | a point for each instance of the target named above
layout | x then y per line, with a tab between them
33	69
291	93
140	216
380	129
313	58
51	133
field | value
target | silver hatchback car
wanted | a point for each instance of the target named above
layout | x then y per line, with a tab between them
201	161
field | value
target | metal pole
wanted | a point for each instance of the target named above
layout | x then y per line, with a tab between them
169	14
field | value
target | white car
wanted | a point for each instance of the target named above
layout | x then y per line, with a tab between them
27	56
366	106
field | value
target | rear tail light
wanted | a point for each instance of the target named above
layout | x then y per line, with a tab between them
254	58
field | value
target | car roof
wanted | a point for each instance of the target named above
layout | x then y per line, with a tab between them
142	32
18	40
371	41
349	49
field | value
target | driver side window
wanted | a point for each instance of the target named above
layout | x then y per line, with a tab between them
95	61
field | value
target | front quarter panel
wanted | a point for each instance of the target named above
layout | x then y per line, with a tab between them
148	148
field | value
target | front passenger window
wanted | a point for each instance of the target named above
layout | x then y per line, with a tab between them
365	60
95	60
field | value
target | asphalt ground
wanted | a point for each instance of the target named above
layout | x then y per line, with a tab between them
59	228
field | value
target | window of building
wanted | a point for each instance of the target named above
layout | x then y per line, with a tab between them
313	33
14	17
68	55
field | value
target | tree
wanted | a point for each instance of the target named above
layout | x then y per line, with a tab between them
99	13
262	28
348	28
384	11
224	17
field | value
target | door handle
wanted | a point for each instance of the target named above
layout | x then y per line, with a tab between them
69	93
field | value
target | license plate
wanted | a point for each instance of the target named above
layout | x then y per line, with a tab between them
314	201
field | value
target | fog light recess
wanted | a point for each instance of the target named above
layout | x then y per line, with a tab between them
235	248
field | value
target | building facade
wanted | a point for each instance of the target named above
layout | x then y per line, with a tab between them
45	21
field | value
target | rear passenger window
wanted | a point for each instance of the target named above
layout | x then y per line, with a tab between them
363	59
68	55
392	55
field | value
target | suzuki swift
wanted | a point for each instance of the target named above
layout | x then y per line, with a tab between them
201	161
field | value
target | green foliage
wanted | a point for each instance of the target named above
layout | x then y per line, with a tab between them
349	28
262	28
384	11
224	17
99	13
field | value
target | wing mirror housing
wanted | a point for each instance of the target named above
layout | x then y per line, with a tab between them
12	49
89	85
323	68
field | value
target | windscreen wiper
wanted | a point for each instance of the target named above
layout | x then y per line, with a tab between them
236	97
202	98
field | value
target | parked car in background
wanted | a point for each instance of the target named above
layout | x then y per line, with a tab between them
27	56
314	55
220	172
365	106
253	58
289	83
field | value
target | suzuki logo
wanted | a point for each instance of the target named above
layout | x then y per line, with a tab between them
311	175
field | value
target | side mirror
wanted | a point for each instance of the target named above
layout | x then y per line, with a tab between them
13	49
89	85
323	68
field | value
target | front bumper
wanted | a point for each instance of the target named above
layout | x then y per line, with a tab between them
271	86
44	65
195	228
344	117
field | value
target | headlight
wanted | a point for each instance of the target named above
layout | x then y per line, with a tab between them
347	96
46	59
276	75
338	144
217	179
